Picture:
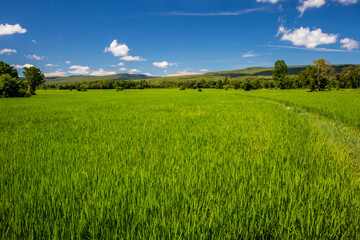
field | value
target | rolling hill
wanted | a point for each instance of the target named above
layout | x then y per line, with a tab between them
72	79
264	73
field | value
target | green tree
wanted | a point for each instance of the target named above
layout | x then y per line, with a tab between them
280	70
219	84
323	68
7	69
34	78
12	86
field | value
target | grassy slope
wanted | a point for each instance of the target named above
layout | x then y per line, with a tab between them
171	164
259	72
264	73
72	79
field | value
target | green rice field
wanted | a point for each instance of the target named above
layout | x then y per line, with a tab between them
170	164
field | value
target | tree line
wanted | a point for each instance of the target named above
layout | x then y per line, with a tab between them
316	77
13	86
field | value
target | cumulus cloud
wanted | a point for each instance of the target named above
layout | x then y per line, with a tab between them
148	74
132	71
117	49
7	29
55	74
35	57
269	1
122	69
118	65
133	58
306	37
51	65
164	64
8	51
204	70
76	69
34	41
67	62
183	73
102	72
305	4
349	43
310	4
23	66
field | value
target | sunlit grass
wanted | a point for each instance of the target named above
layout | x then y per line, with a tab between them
170	164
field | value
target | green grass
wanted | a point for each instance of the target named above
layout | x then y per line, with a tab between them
337	105
150	164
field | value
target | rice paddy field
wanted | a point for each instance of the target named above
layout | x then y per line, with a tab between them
170	164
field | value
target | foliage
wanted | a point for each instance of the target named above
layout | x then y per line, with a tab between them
323	68
280	70
34	78
7	69
12	86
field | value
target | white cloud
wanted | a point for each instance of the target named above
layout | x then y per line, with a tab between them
118	65
349	43
132	71
347	2
164	64
204	70
117	49
183	73
8	51
148	74
23	66
269	1
67	62
34	41
306	37
55	74
79	69
102	72
249	54
310	4
133	58
7	29
165	71
51	65
122	69
35	57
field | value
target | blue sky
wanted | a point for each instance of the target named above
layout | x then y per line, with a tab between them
167	37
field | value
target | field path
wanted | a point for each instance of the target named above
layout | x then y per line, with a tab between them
335	130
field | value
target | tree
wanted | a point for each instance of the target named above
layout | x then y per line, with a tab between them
323	68
7	69
307	77
219	84
34	78
12	86
280	70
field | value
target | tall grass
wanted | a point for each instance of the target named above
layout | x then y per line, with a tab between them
149	164
342	106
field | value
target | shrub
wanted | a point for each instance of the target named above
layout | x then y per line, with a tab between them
12	86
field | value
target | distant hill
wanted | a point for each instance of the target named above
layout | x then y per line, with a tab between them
72	79
264	73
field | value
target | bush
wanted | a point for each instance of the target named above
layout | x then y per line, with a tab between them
119	89
12	86
182	87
